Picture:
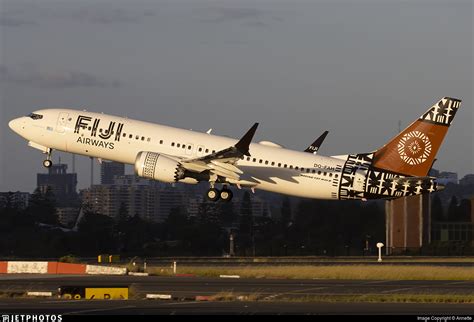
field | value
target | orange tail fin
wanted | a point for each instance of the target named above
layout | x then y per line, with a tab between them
412	152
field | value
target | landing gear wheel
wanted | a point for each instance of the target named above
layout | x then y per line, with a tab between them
213	194
226	195
47	163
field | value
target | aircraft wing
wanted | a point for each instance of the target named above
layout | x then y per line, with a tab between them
314	147
222	163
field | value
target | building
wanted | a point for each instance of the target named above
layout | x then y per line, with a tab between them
168	197
467	180
67	216
63	185
260	207
433	173
447	177
461	232
407	223
150	200
108	170
127	192
14	199
472	209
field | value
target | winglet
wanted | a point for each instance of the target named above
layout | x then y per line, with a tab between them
314	148
244	142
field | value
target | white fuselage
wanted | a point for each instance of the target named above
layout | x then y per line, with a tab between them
120	139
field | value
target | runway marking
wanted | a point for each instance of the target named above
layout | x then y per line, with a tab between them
460	282
377	282
99	310
293	292
183	303
399	289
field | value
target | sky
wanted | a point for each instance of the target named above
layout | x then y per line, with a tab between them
354	68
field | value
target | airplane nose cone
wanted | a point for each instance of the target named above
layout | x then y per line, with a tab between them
15	125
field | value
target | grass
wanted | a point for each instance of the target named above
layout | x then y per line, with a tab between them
352	298
384	298
356	272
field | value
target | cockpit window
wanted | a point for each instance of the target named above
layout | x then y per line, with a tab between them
35	116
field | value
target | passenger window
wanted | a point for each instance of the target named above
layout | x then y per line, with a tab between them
302	169
137	137
200	149
279	165
307	170
207	150
336	176
184	146
172	143
260	161
143	138
285	166
125	134
254	160
319	172
273	163
296	168
130	136
314	171
178	145
100	130
89	128
325	173
161	141
149	139
266	162
291	167
330	175
248	158
189	147
213	151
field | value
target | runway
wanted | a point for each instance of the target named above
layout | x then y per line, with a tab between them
280	296
139	307
189	287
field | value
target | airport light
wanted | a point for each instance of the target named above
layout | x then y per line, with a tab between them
379	246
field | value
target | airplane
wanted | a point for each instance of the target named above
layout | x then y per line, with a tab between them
168	154
314	147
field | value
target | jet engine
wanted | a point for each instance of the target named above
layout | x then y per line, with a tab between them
155	166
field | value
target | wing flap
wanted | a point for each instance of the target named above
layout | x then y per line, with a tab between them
222	163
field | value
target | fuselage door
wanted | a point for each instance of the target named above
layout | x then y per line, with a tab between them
359	180
63	121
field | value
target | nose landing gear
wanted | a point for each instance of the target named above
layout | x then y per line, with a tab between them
48	163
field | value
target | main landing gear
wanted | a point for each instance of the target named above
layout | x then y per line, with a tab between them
214	194
48	163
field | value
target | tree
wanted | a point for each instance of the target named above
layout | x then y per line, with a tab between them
246	236
437	213
464	211
175	224
123	212
42	207
96	233
453	209
286	216
246	216
227	213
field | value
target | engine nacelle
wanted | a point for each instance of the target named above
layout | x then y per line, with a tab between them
155	166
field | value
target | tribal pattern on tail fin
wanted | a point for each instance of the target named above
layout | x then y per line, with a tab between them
412	152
